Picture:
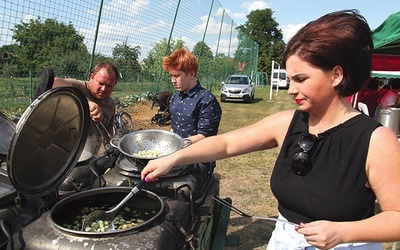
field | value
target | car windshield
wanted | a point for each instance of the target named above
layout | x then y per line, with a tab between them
281	75
237	80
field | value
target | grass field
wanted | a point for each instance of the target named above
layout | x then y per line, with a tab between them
245	178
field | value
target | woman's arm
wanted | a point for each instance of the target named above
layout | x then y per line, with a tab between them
265	134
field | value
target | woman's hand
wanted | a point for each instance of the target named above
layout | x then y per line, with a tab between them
321	234
155	168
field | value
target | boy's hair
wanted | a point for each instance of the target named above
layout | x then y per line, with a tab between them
182	60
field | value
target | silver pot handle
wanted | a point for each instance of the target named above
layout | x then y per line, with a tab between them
114	144
189	142
385	112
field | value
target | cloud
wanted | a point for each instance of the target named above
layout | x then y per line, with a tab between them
233	15
238	15
213	26
255	5
290	30
125	7
28	18
247	7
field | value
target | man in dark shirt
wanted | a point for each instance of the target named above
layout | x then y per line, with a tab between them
195	112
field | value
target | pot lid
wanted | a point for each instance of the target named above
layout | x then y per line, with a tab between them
7	129
48	141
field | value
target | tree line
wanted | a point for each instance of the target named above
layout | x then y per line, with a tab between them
47	42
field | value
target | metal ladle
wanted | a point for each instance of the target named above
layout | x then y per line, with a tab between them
102	131
236	210
109	215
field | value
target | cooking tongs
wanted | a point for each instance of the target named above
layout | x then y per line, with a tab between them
102	131
241	213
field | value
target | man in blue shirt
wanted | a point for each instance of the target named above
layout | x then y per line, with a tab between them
195	112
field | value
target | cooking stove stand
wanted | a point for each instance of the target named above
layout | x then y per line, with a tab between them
204	212
18	211
188	183
183	233
89	174
105	163
202	209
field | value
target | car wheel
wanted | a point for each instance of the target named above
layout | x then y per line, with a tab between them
247	99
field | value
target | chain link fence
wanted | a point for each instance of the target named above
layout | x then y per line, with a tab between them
72	36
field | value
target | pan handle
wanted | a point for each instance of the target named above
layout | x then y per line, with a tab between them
114	142
188	142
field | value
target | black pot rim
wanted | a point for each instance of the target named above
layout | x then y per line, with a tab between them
105	191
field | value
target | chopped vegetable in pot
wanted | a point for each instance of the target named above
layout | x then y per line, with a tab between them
126	218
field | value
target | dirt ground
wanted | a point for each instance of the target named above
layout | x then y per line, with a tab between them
142	113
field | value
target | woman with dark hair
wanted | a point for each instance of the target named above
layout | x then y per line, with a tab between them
334	161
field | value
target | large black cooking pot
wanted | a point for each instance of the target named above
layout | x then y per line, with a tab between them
63	212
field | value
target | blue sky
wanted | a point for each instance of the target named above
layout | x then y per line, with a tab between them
293	14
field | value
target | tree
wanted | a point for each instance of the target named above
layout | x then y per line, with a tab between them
202	50
126	60
72	65
7	66
45	43
153	62
223	67
245	55
204	56
262	28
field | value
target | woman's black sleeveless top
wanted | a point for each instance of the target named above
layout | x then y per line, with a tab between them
334	189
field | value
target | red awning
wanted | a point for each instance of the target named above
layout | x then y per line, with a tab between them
385	62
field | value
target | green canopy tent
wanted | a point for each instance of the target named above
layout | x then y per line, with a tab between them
387	36
386	53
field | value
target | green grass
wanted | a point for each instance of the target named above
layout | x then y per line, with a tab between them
15	93
245	178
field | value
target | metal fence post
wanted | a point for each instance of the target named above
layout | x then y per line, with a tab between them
95	36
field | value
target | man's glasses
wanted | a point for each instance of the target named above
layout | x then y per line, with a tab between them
300	160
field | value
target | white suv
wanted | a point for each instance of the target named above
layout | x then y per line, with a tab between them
237	88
